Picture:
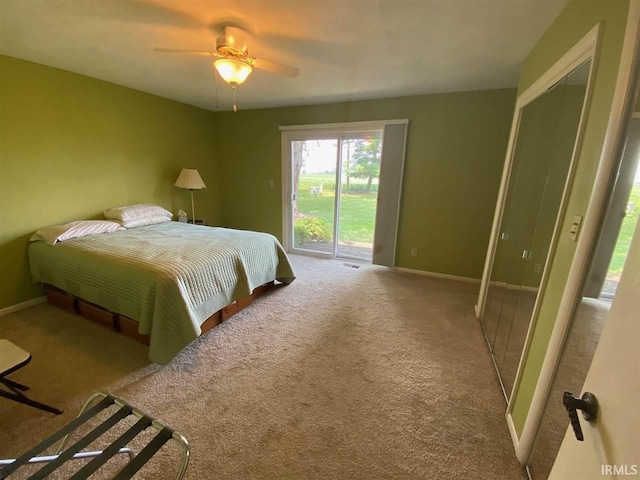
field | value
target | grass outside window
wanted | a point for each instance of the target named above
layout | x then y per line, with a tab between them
357	209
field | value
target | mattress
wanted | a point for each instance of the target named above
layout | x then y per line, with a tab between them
169	277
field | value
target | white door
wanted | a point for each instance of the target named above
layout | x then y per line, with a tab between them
611	446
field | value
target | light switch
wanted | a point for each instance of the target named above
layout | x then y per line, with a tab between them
575	227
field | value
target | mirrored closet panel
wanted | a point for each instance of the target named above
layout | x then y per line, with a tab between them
541	165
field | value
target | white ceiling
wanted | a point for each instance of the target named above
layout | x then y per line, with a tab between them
345	49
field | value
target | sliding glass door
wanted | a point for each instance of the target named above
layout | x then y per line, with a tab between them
314	166
360	171
335	187
341	189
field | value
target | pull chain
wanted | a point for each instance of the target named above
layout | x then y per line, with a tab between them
235	109
216	77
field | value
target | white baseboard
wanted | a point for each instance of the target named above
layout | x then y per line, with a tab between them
510	286
437	275
21	306
514	435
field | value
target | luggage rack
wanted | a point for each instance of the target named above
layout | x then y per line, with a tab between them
100	457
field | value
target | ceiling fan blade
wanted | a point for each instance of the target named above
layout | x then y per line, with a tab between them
150	12
276	67
319	49
146	12
188	52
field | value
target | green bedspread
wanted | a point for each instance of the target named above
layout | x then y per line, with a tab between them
169	277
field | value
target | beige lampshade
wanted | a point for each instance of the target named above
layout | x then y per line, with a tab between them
233	71
191	179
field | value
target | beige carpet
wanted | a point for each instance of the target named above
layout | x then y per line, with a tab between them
345	374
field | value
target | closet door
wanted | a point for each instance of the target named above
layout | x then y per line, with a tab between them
537	125
570	98
544	151
503	257
541	127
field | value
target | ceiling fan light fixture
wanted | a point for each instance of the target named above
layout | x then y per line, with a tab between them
232	71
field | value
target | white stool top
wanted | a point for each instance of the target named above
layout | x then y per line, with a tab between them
11	355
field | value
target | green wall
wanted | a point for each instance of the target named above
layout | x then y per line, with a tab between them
577	18
72	146
455	151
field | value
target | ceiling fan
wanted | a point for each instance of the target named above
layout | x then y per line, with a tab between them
232	60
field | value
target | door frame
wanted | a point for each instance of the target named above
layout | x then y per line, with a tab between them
611	151
291	133
613	222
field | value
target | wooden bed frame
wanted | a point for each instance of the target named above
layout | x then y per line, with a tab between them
121	324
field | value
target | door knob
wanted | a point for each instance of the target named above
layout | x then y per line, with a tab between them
589	406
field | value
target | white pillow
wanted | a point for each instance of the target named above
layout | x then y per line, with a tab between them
81	228
142	222
131	212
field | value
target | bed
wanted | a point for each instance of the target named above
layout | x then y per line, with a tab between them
168	278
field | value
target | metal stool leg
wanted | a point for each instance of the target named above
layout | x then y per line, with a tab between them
17	396
17	385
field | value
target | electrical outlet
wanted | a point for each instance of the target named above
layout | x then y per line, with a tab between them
537	267
414	252
271	183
